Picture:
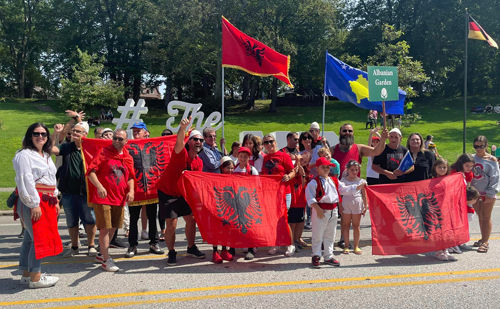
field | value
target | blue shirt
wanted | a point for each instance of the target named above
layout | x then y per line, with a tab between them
211	159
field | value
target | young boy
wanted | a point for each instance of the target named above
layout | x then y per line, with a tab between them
325	152
323	195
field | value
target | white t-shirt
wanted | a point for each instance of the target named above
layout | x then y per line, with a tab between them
244	170
369	171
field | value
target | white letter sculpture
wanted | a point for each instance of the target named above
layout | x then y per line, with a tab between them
173	110
137	110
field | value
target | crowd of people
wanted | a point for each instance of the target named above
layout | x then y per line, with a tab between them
321	182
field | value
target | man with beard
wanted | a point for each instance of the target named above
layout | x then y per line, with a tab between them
346	150
172	204
387	163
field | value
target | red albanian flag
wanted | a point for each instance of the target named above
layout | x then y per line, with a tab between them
418	217
242	52
237	211
151	156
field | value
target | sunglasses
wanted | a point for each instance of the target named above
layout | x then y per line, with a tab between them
166	134
270	142
346	131
306	137
38	134
312	130
201	140
120	139
479	146
212	136
77	131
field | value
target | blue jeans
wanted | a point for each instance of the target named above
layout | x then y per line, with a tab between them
288	200
27	259
75	208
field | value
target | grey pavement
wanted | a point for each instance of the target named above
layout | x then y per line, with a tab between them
365	281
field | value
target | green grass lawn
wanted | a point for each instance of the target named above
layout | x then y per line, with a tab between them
440	117
3	200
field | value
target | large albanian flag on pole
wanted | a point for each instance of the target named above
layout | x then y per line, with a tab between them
237	211
418	217
151	156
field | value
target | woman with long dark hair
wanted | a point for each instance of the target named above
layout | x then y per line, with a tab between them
37	206
423	159
486	181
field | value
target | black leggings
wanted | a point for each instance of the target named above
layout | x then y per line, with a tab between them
135	212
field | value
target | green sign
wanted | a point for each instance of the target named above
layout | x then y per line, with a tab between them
383	84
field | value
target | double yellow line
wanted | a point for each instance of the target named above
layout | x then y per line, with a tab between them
261	293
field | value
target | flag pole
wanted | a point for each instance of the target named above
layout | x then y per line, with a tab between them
383	112
465	74
222	103
324	95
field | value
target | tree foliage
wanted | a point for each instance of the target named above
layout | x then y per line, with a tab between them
86	88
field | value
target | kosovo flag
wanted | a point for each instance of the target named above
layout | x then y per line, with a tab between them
349	84
406	163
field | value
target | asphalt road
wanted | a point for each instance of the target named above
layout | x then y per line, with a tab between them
366	281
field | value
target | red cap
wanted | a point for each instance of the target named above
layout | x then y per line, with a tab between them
375	138
324	161
245	150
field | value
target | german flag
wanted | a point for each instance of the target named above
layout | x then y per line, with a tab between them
476	32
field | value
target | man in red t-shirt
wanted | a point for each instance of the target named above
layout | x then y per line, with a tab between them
112	173
172	204
346	150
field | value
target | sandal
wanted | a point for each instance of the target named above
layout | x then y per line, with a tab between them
346	251
477	243
162	237
483	248
302	243
358	251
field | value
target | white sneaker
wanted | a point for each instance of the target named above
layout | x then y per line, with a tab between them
449	256
45	282
454	250
273	250
71	252
144	235
99	258
24	280
110	265
290	250
92	252
440	255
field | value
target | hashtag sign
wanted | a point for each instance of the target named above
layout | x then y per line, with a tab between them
137	110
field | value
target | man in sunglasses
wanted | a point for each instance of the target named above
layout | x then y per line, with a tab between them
314	130
72	185
292	146
172	204
211	155
111	172
346	150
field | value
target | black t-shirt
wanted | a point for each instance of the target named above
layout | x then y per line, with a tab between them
423	167
71	173
389	160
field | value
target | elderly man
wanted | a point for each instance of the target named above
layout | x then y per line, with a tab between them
139	130
98	132
172	204
74	190
211	155
314	130
387	163
112	174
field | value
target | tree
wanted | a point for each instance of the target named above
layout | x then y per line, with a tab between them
87	88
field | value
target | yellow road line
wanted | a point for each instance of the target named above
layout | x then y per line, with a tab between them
276	292
250	285
153	256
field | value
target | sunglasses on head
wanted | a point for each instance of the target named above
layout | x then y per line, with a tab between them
42	134
346	131
270	142
201	140
479	146
120	139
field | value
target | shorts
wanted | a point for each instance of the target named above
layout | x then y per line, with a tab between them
172	207
372	181
295	215
108	216
352	206
76	208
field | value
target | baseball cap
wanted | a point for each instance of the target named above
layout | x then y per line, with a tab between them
245	150
225	159
106	130
375	138
324	161
395	130
140	125
84	125
315	125
195	133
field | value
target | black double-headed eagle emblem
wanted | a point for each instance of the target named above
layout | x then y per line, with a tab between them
421	216
241	208
149	162
253	51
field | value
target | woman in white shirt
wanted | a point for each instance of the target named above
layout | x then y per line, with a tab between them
37	205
